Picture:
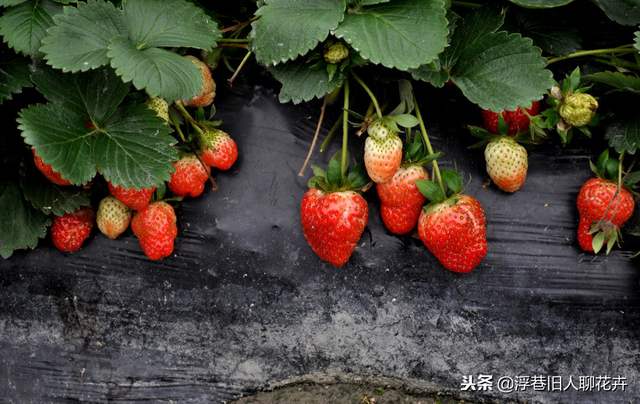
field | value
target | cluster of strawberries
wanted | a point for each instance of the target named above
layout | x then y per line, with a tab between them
152	222
605	203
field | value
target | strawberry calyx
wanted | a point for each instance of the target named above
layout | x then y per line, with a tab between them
604	231
571	107
534	136
336	179
453	187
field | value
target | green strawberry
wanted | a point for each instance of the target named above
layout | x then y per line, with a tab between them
113	217
335	53
507	163
160	106
578	109
382	152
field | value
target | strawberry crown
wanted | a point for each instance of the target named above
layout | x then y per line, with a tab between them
414	151
453	186
334	179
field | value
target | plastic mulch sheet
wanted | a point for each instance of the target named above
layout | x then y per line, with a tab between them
244	304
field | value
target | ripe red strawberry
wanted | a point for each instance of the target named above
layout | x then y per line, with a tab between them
401	200
113	217
48	172
333	223
507	163
456	233
189	177
516	120
208	90
382	152
599	201
131	198
226	150
70	230
156	229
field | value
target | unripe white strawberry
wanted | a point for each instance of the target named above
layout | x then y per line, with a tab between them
507	163
382	152
113	217
336	53
160	106
578	109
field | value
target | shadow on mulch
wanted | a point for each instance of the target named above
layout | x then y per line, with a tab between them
344	393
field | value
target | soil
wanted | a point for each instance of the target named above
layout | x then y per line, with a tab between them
345	393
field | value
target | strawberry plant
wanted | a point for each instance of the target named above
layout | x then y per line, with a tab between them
121	91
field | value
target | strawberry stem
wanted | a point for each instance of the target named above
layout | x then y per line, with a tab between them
333	130
244	60
315	137
240	25
423	129
373	98
195	125
345	124
621	49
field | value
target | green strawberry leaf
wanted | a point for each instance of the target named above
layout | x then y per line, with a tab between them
80	39
92	95
170	23
541	3
24	26
386	34
300	83
358	176
8	3
372	2
623	133
555	36
160	72
624	12
430	190
21	225
61	139
52	198
134	149
486	20
501	72
452	180
289	28
618	80
14	75
431	73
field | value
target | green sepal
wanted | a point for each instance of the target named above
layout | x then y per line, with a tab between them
200	118
391	123
331	69
319	182
318	172
452	180
406	120
358	177
356	115
161	191
503	127
598	242
338	158
480	133
552	116
412	151
334	174
429	159
612	167
430	190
